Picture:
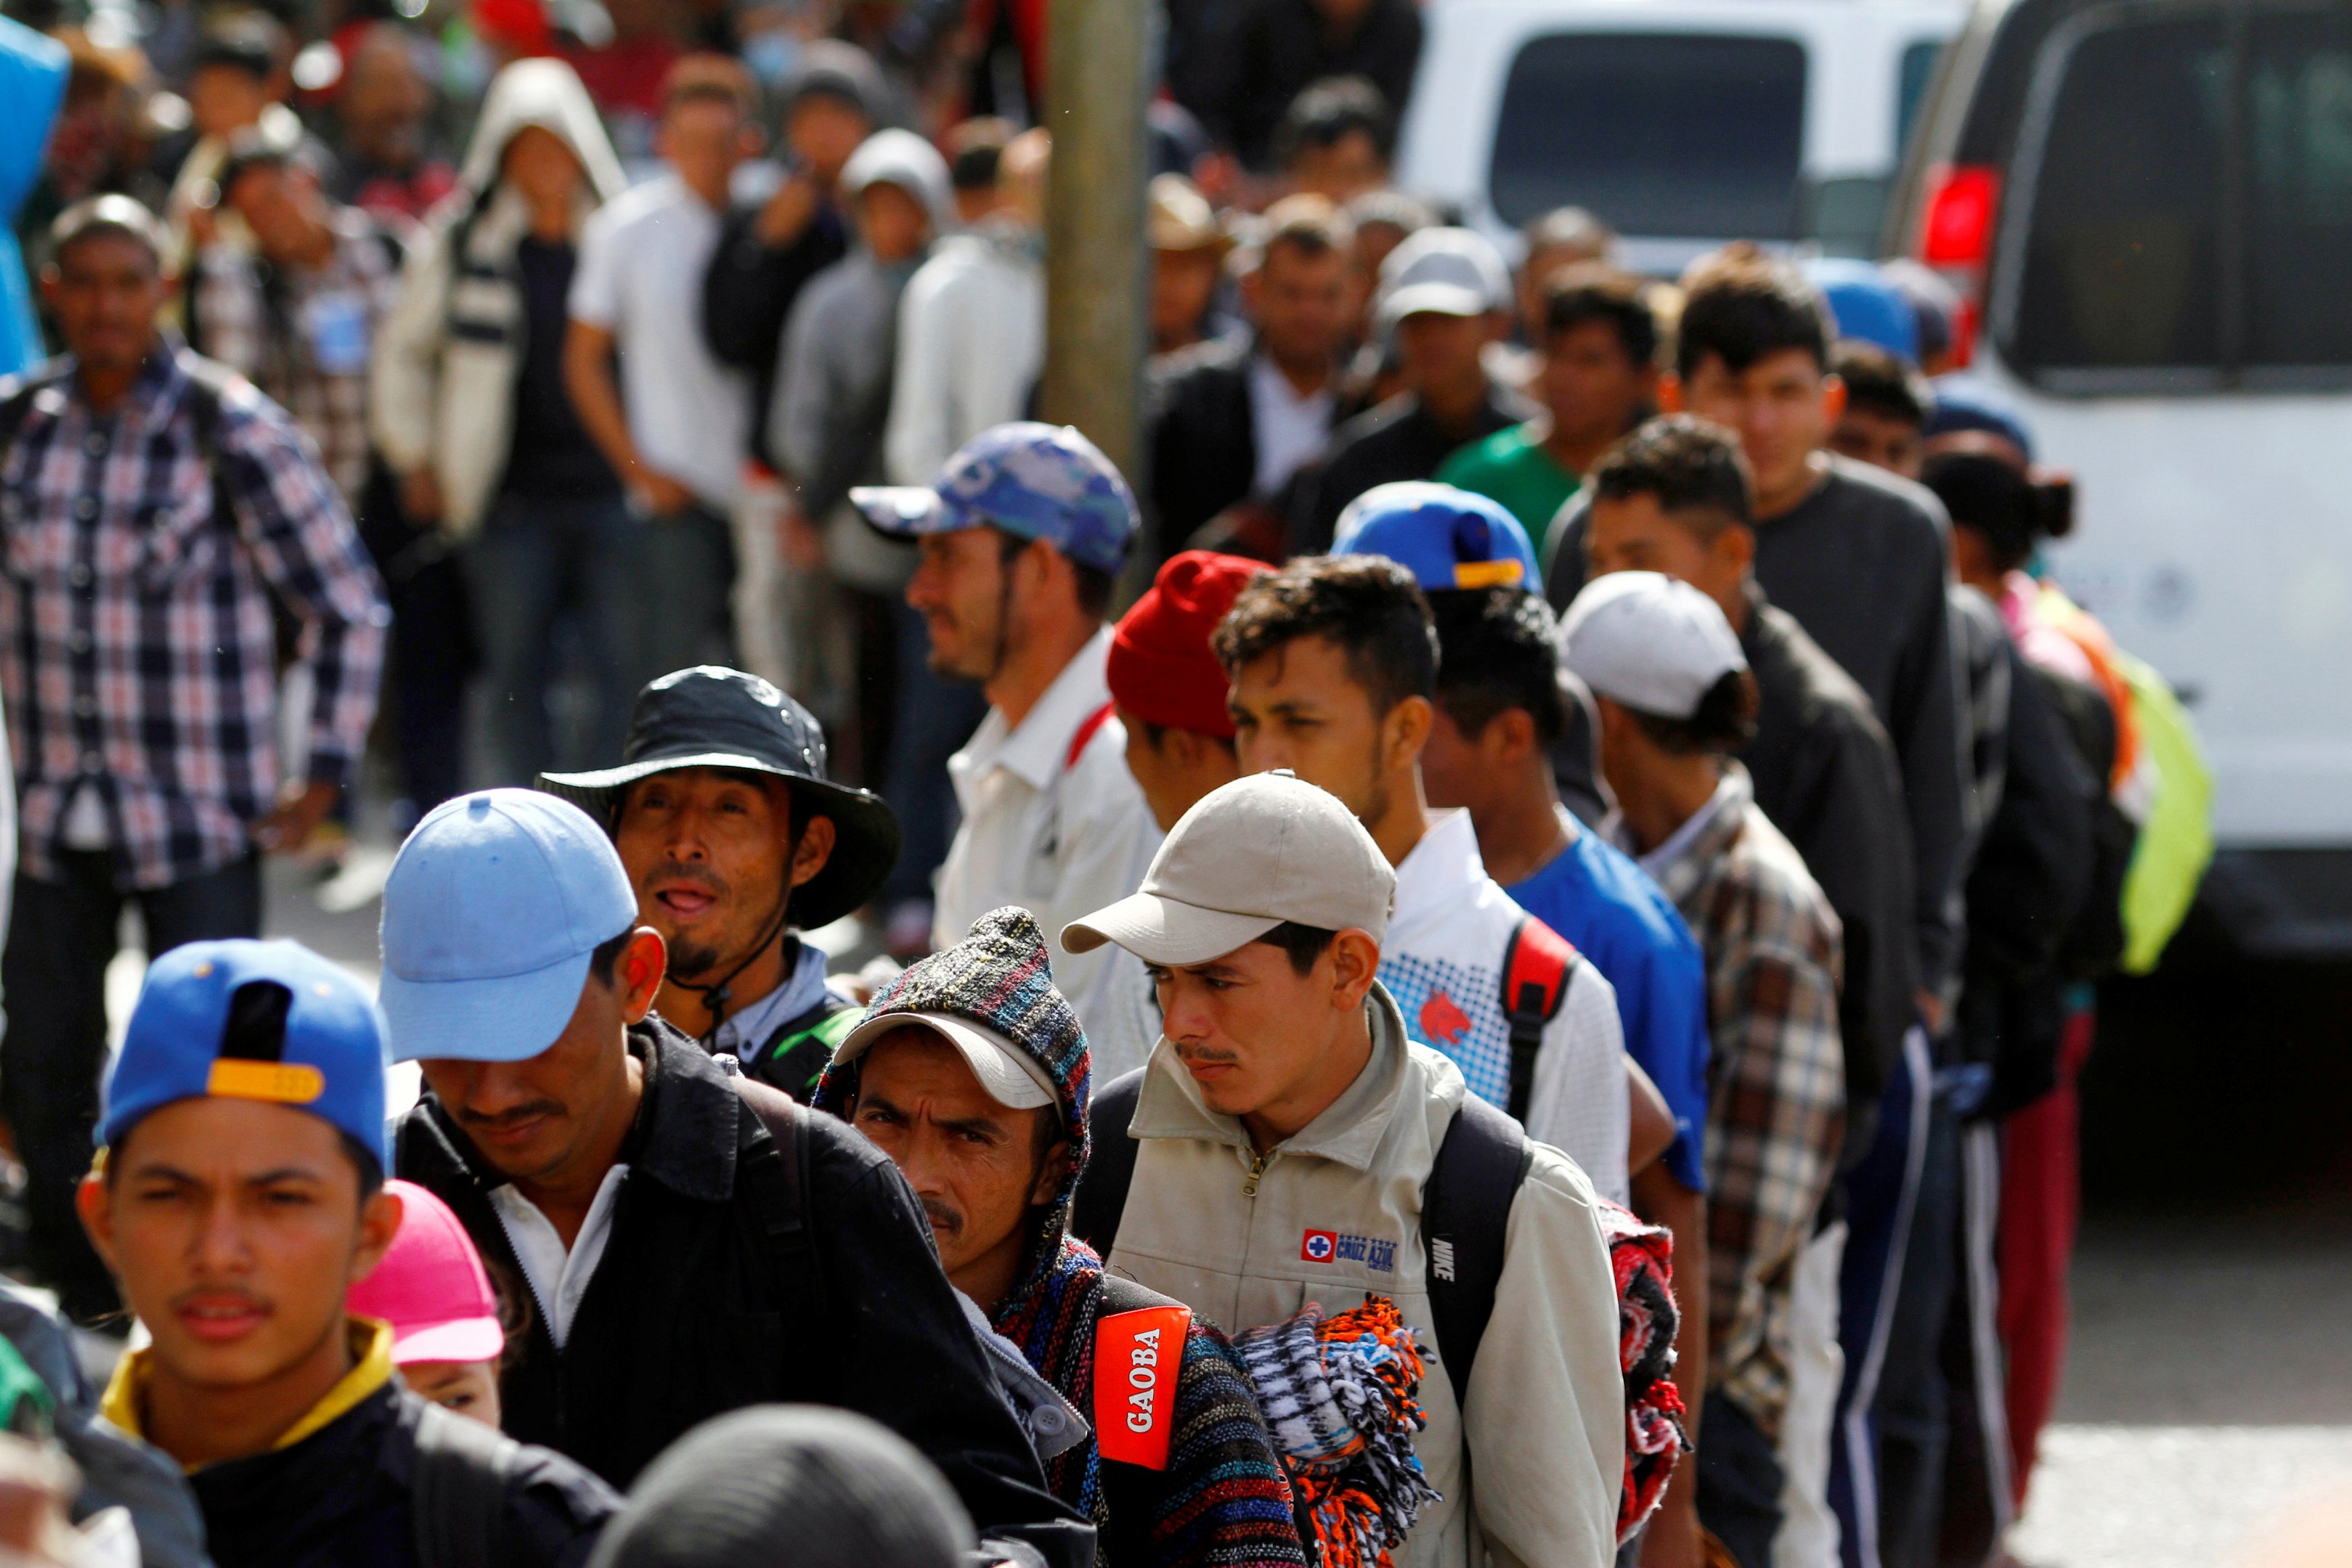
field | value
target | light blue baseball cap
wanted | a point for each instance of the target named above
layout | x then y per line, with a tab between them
491	912
1446	537
1034	481
1865	306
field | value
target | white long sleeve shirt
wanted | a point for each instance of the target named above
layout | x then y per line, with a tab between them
972	343
1059	827
1442	961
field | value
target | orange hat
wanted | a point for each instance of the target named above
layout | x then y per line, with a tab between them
1160	669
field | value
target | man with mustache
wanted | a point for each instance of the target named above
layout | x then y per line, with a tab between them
972	1073
239	1195
733	837
692	1241
1023	532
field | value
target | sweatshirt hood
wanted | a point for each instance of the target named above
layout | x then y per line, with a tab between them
903	159
999	977
546	93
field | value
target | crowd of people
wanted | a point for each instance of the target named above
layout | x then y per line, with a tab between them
1483	962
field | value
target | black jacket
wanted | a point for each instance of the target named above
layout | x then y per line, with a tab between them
1861	565
1203	439
340	1498
698	1308
748	295
1398	440
1275	49
2032	873
1825	775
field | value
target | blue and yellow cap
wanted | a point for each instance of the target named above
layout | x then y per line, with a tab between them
1446	537
241	1020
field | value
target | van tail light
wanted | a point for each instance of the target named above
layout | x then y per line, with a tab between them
1955	238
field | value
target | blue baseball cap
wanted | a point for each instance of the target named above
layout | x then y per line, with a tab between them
491	912
1446	537
1035	481
1865	306
242	1019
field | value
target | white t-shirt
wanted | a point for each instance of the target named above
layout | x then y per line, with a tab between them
1442	962
642	260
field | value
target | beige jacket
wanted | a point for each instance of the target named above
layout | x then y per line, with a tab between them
1209	1223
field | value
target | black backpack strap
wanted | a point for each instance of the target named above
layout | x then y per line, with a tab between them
772	1164
1466	1211
1537	963
1101	1197
457	1497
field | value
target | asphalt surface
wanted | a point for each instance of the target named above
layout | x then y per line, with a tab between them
2208	1397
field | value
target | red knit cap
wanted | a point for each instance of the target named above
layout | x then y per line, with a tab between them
1161	667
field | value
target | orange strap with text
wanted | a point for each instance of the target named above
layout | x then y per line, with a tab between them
1137	1357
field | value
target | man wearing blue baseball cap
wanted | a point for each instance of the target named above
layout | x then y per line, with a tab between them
691	1240
239	1196
1022	534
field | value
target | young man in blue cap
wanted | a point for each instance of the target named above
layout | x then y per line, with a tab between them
734	838
692	1241
240	1195
1022	534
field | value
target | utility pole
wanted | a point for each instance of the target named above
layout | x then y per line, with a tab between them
1098	84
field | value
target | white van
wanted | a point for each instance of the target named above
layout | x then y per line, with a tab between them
1681	123
2150	204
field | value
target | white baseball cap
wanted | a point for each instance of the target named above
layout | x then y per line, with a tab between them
1008	1074
1444	272
1249	856
1650	642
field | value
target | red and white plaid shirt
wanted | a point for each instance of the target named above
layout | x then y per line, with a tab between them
137	650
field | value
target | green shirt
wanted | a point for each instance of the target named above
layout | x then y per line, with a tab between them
1508	468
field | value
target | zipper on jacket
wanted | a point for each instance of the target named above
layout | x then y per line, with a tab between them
1257	1169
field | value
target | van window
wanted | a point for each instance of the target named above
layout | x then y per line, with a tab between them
1678	135
1913	72
2123	251
2144	252
2298	248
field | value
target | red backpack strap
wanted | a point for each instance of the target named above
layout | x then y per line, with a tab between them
1086	727
1536	965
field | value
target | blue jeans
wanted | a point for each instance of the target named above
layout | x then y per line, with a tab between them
60	939
534	561
1739	1482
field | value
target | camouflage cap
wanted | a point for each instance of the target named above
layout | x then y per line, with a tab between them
1034	481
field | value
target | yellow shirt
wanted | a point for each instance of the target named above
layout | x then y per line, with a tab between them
125	1401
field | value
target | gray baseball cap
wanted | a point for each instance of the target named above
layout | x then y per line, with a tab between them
1249	856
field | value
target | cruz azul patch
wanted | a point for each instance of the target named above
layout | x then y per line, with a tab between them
1374	1253
1137	1357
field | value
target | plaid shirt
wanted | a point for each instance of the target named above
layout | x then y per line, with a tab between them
305	335
1776	1083
137	650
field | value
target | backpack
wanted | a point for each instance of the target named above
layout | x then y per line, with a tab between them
1465	1209
457	1495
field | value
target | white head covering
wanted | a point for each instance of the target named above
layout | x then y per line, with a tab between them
546	93
1650	642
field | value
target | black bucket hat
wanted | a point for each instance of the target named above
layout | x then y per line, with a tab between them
712	717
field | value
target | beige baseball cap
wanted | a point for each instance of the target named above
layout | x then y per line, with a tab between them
1008	1074
1247	858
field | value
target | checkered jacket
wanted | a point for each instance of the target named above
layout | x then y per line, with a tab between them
265	323
137	646
1775	1081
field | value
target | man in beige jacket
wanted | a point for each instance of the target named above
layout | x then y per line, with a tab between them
1287	1127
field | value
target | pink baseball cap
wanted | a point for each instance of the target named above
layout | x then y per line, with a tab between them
431	1287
